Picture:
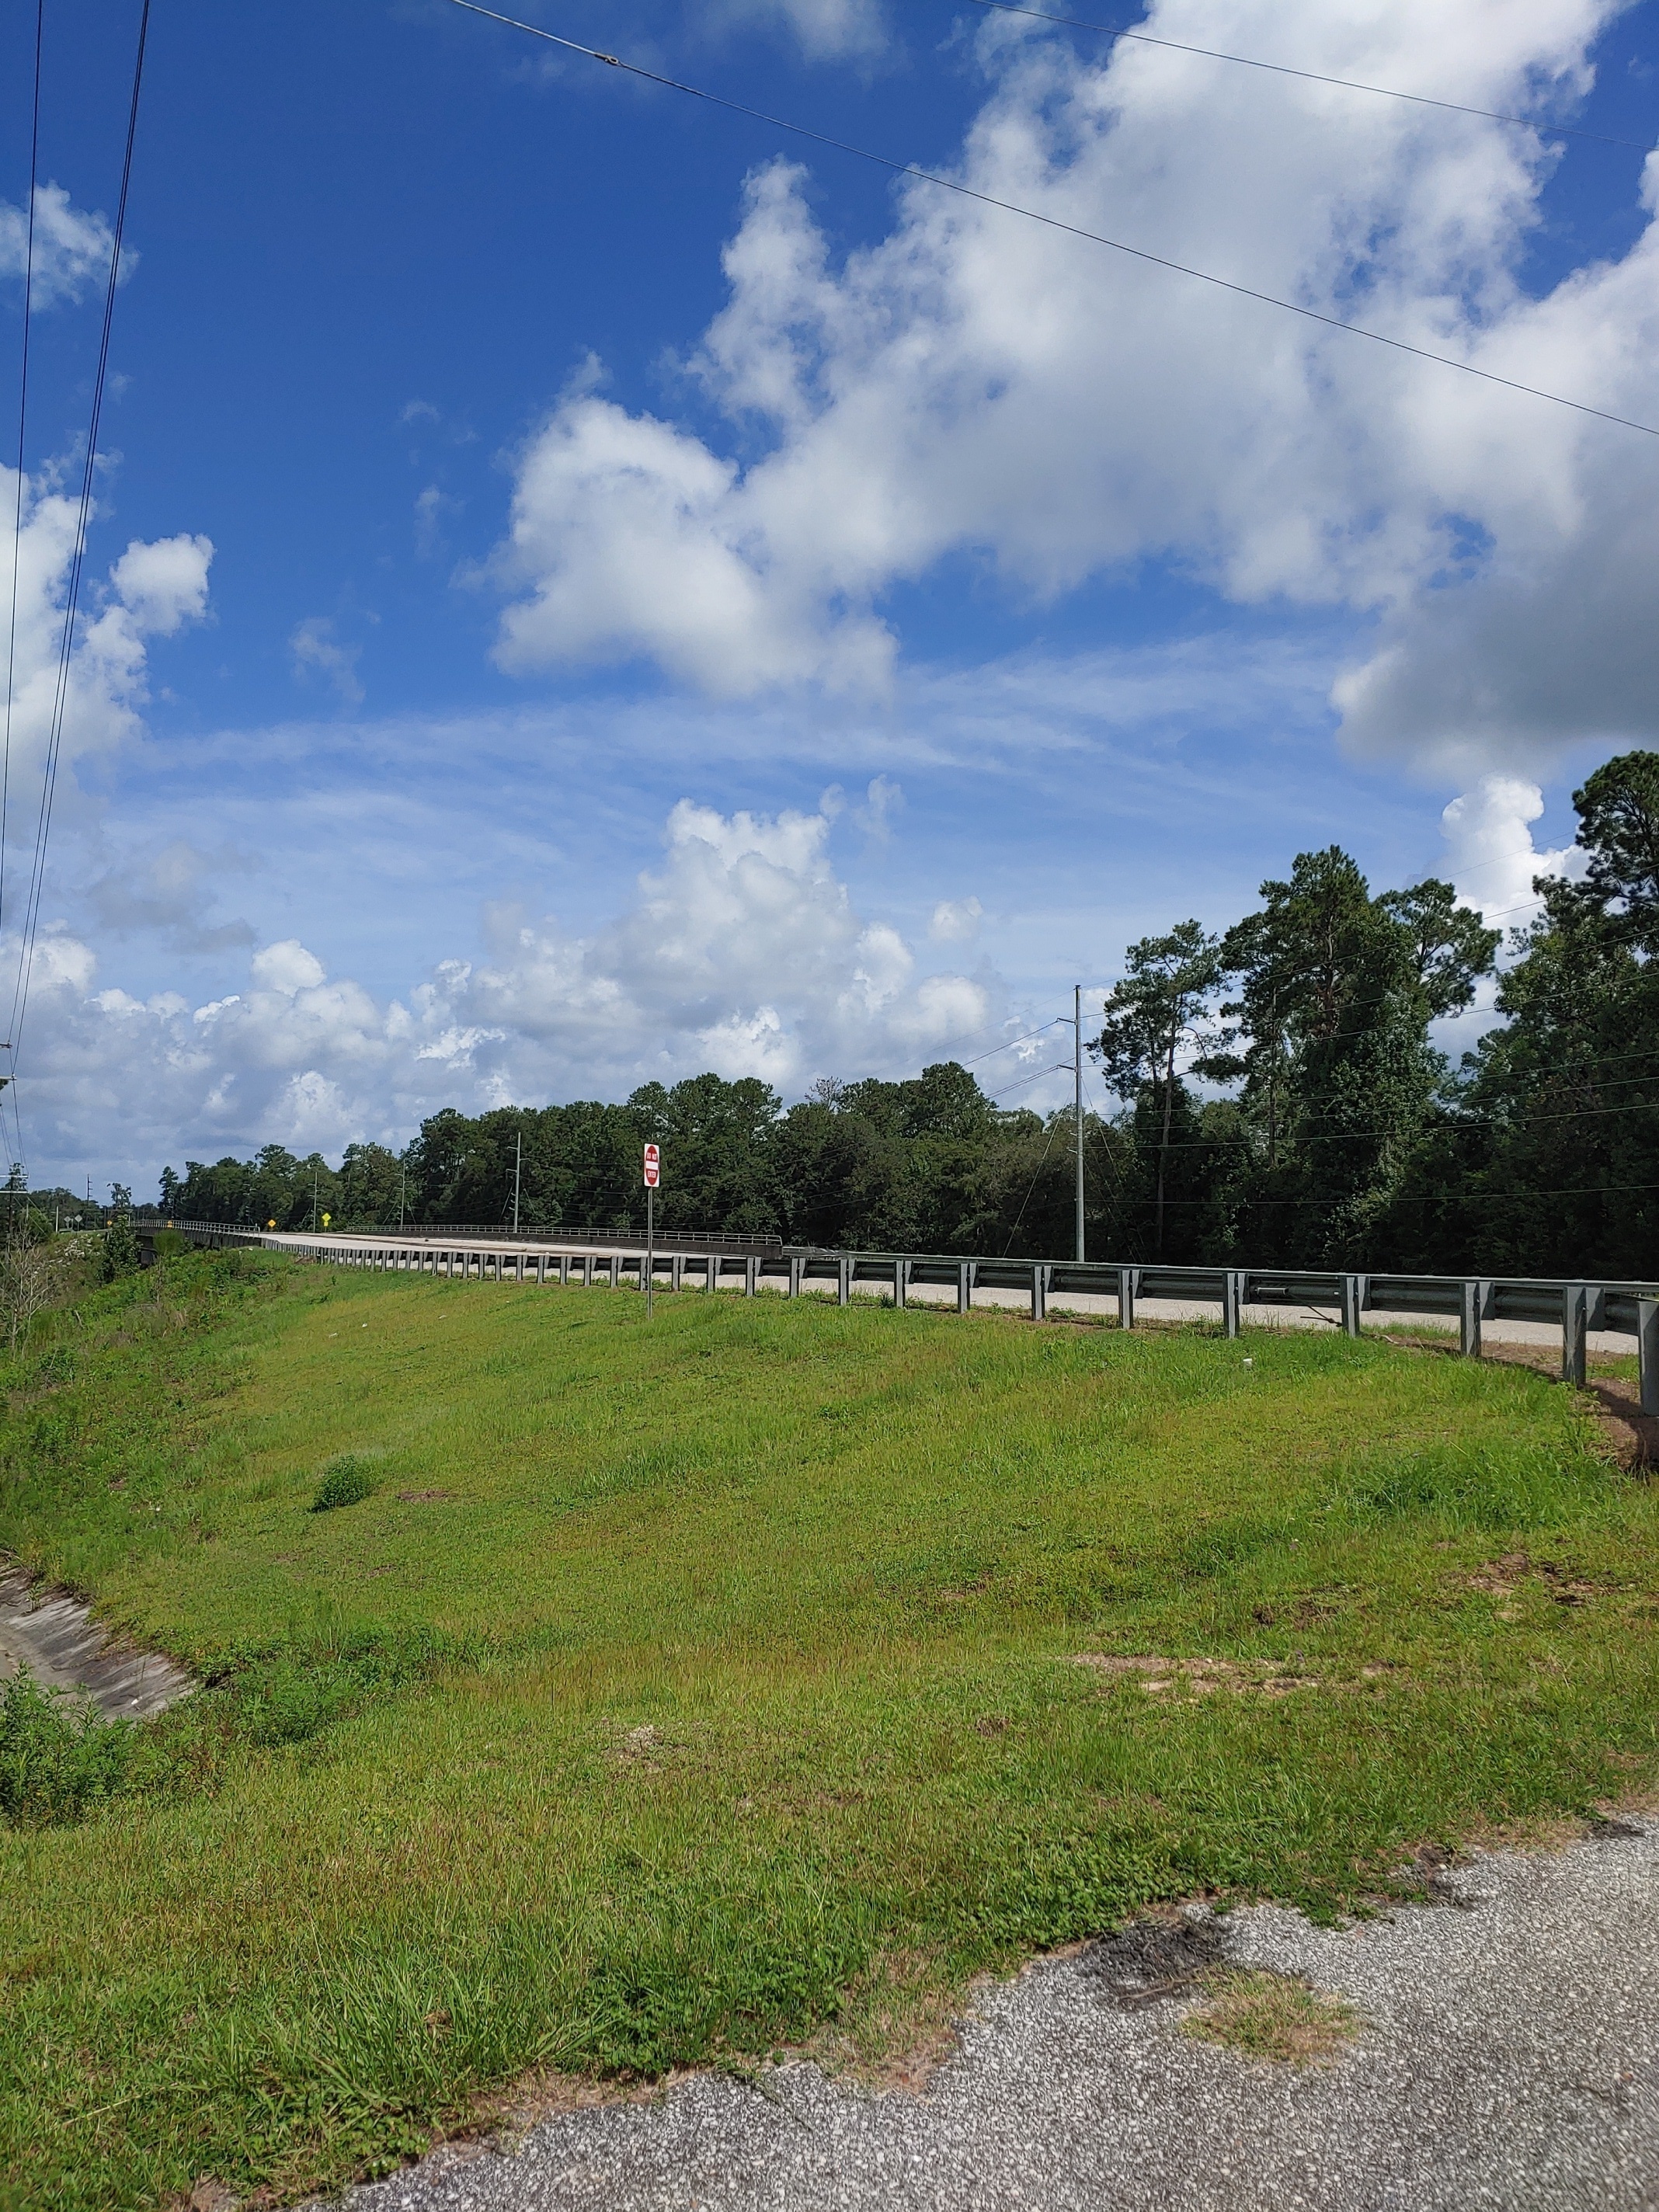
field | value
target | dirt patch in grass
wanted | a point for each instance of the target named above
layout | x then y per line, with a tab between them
1160	1677
1278	2017
507	2114
1504	1577
898	2023
1631	1435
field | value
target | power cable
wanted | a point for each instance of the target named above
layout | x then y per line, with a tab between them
1561	1068
1312	76
1292	1140
17	513
1053	223
1004	1090
1012	1042
54	741
1014	1231
1444	1197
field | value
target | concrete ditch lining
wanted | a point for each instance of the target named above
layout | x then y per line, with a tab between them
56	1637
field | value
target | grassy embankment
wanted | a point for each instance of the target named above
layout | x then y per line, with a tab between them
683	1692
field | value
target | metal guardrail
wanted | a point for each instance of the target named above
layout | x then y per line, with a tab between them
700	1239
1623	1309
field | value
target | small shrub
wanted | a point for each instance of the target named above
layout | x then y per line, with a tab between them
346	1481
121	1255
58	1756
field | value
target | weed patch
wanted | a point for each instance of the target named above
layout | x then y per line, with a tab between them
1278	2017
58	1756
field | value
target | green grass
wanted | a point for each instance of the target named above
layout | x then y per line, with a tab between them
683	1691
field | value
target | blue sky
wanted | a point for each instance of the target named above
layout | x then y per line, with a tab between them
617	591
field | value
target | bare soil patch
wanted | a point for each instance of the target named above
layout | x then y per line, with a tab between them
1503	1576
1160	1677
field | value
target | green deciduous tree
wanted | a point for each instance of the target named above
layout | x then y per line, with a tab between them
1161	1009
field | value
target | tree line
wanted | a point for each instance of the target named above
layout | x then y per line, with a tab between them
1279	1102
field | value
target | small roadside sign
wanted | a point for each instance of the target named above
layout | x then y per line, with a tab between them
652	1167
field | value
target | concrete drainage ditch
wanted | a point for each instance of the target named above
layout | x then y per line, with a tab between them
57	1638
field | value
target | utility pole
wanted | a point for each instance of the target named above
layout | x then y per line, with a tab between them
1077	1024
403	1195
518	1172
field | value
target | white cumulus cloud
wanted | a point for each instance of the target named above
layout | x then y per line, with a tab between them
1490	855
151	590
972	385
742	951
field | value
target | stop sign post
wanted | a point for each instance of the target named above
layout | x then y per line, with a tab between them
652	1178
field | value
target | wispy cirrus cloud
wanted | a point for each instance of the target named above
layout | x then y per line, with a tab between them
71	249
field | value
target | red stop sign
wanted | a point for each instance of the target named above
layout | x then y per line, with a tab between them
652	1167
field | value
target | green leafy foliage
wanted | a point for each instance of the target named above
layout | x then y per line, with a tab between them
118	1253
58	1756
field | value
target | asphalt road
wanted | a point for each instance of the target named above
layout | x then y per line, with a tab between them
1509	2059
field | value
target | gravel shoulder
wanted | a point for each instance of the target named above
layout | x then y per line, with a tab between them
1508	2058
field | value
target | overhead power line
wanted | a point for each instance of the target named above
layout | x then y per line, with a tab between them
60	699
1012	1043
1312	76
1294	1138
1055	222
1429	1198
17	509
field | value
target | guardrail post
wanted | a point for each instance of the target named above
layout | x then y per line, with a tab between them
1575	1331
616	1271
751	1277
1232	1301
1039	1292
1352	1297
1128	1282
901	1281
794	1278
675	1270
965	1287
1647	1352
843	1281
1468	1320
588	1271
